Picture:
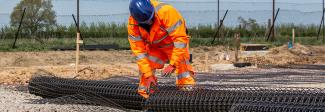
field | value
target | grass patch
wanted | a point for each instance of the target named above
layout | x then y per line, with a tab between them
46	44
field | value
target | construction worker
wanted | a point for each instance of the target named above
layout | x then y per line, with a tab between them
157	36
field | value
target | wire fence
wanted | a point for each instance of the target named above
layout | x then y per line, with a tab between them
297	12
106	22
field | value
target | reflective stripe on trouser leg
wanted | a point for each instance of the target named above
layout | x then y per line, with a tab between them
156	60
143	91
183	75
185	72
143	88
141	56
185	79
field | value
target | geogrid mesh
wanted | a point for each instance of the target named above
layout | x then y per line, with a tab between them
207	98
310	67
276	107
104	93
223	99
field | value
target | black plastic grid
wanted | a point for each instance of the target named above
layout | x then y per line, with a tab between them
207	98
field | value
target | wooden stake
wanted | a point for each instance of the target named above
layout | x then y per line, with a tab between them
237	44
78	42
206	62
293	37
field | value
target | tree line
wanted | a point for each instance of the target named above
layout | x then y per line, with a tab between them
40	23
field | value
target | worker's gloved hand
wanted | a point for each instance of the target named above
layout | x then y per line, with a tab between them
193	74
168	71
148	86
152	84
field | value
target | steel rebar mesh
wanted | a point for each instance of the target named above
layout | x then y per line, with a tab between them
169	98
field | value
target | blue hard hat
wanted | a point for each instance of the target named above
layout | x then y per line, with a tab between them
142	11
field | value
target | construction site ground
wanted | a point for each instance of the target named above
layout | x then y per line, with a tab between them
16	68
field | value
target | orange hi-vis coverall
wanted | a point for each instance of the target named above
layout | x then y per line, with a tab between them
167	41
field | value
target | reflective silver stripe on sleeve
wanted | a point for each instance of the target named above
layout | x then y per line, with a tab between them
167	45
183	75
162	38
135	38
169	30
176	25
156	60
180	45
159	6
141	56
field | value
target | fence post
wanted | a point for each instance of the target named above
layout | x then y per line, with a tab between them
273	19
272	27
237	45
2	35
269	24
17	33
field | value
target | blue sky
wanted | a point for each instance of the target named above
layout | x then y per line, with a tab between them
298	11
6	6
287	1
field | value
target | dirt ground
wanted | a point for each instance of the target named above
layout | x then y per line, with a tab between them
300	54
15	98
18	67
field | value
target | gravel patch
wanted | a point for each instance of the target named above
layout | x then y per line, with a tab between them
19	100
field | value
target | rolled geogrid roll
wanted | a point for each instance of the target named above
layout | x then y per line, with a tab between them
168	98
106	93
223	99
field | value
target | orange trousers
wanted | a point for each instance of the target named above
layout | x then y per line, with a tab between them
158	57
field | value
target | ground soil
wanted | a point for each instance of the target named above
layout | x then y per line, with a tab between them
16	68
300	54
17	99
19	67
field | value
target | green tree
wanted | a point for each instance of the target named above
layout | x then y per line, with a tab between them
39	16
